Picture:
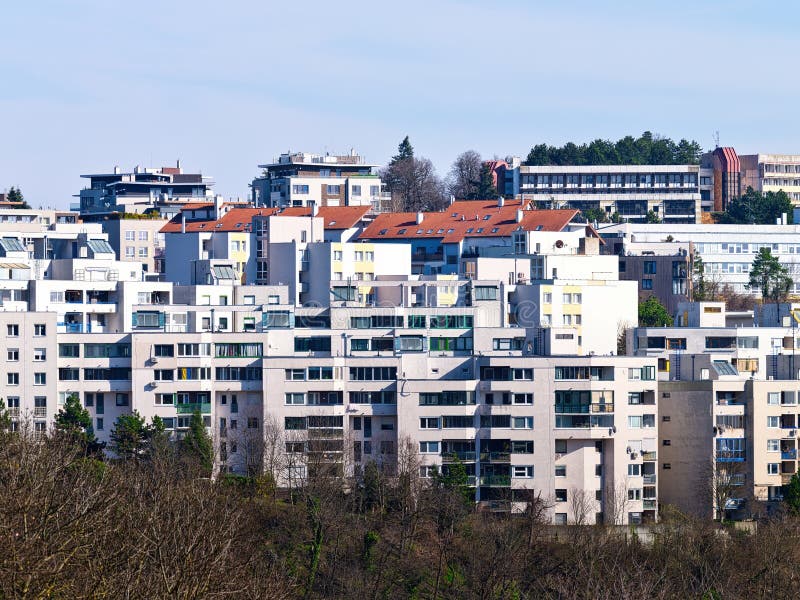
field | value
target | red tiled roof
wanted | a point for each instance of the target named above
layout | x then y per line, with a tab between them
468	218
238	219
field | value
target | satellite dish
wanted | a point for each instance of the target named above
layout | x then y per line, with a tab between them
559	244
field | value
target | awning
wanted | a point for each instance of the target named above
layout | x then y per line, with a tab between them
14	266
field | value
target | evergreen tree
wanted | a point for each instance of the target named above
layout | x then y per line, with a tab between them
770	276
405	151
197	444
133	439
74	422
15	195
791	495
5	418
653	314
486	186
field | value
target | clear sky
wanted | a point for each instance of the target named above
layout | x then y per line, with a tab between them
226	85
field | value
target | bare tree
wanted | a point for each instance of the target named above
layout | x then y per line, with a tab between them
582	505
414	184
465	174
616	502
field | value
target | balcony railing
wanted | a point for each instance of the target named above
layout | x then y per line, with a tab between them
40	411
13	411
458	455
648	504
188	409
788	454
648	456
496	480
498	457
649	479
605	407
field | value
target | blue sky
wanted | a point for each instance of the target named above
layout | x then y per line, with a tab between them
224	86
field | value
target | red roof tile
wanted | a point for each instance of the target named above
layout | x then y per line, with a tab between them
238	219
468	218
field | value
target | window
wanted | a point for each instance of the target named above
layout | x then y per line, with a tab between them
523	471
773	445
40	379
13	354
635	494
252	422
312	344
635	421
427	471
121	399
773	421
773	468
634	470
12	330
647	284
130	252
39	330
429	423
295	398
99	426
143	252
130	236
561	496
163	350
429	447
485	292
333	189
561	446
522	423
143	236
650	267
774	398
561	470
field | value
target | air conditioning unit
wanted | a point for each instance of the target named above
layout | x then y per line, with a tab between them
634	455
793	433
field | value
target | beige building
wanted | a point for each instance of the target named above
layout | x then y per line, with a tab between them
771	173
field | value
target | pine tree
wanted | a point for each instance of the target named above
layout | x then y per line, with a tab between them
73	421
486	186
768	274
404	151
791	495
197	443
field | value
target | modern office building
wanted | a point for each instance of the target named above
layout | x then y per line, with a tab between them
727	251
670	192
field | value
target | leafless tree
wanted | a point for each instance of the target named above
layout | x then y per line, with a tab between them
415	185
582	505
616	502
464	178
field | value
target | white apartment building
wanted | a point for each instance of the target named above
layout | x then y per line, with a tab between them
727	251
303	179
771	173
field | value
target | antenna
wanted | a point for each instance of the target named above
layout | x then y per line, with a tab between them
716	139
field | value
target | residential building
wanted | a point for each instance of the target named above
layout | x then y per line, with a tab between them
303	179
137	240
474	227
161	190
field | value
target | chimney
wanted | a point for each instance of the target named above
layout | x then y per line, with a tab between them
117	170
178	165
420	217
519	215
784	218
314	209
501	202
183	222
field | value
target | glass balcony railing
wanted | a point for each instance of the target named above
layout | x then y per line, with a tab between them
496	480
190	408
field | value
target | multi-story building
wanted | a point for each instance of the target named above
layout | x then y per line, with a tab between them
302	179
728	405
163	190
727	251
772	173
476	227
671	192
137	240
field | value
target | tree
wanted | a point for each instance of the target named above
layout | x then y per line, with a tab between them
132	438
5	418
652	217
405	151
413	181
74	422
653	314
15	195
595	214
759	208
770	276
791	495
487	188
197	443
465	176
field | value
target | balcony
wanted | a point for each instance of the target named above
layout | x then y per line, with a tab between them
463	455
191	408
496	480
496	457
13	412
648	504
40	411
594	408
789	455
648	456
649	479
